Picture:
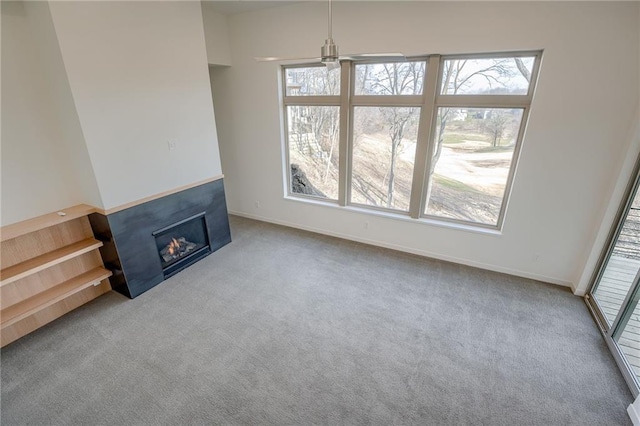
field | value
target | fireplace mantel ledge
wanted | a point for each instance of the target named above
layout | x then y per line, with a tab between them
156	196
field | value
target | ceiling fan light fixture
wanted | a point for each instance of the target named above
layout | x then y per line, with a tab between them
329	52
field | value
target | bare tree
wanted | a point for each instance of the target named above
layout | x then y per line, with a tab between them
455	79
404	78
398	120
496	125
523	69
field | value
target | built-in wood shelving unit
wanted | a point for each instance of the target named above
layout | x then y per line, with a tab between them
30	306
49	266
46	260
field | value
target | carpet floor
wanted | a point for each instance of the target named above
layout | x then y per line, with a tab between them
286	327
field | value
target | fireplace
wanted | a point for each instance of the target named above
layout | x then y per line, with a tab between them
135	237
182	243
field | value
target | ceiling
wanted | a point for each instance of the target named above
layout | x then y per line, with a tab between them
232	7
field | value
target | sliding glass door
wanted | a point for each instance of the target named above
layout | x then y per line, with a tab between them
615	291
627	335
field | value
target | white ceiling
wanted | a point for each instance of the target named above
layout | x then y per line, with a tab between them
231	7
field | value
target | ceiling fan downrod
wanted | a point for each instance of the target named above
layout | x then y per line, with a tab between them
329	52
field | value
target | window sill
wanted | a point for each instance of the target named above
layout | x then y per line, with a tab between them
396	216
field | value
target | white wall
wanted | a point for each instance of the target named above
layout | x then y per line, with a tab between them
577	136
616	192
216	34
38	171
224	116
139	77
78	164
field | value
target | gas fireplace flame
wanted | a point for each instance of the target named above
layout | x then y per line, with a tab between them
173	246
176	248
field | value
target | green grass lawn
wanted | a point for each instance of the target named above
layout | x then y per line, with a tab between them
451	138
496	149
453	184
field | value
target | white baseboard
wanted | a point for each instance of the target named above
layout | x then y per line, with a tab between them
424	253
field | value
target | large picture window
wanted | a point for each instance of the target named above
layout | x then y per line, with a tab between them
313	126
434	137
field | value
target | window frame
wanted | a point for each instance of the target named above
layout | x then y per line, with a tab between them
315	100
429	103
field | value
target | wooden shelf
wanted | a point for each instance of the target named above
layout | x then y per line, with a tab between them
47	260
51	219
30	306
51	265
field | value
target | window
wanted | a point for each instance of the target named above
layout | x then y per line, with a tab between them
384	149
398	78
313	124
473	154
486	76
434	137
386	109
313	81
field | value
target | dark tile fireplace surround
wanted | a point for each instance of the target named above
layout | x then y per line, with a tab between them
149	242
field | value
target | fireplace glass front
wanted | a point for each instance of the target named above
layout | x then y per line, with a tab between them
182	243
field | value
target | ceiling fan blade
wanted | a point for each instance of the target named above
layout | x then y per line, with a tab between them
276	58
377	56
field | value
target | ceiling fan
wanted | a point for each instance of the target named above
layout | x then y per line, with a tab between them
329	53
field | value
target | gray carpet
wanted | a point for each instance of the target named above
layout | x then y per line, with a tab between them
285	327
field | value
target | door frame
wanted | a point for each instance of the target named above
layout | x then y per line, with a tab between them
633	186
